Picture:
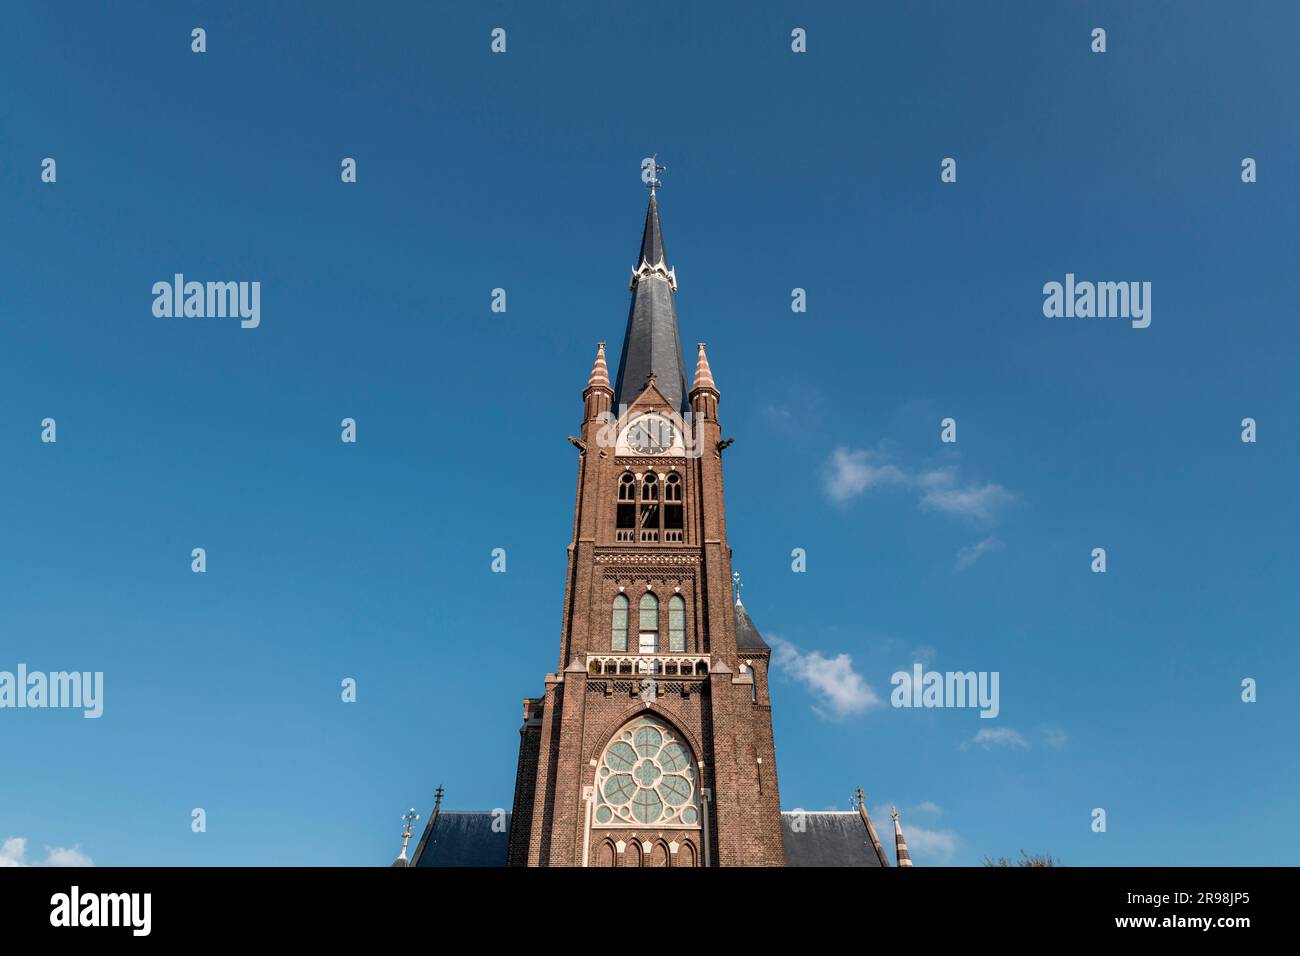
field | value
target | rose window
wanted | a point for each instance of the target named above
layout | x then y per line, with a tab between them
646	777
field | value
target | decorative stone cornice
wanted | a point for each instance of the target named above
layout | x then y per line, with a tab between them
641	558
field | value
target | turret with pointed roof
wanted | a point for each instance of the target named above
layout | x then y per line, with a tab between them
900	845
598	394
652	343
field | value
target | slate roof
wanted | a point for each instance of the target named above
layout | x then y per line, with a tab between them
652	341
827	838
462	838
747	636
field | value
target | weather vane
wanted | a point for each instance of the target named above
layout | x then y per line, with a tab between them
650	169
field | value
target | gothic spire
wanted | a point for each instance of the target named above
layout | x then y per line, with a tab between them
652	344
703	374
599	377
900	845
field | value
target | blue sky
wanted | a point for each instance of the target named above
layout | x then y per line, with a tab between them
520	171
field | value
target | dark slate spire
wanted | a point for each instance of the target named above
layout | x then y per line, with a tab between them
652	239
652	342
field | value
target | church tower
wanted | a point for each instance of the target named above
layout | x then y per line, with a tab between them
652	745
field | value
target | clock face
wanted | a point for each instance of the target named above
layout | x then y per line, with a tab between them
651	435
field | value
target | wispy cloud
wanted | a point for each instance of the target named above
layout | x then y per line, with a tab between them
924	844
850	473
13	852
977	502
853	472
839	689
972	553
991	737
930	846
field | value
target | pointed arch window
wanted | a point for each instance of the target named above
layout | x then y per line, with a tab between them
625	523
649	522
648	632
618	631
676	623
650	508
673	508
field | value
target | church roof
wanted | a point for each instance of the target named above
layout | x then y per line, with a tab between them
463	838
747	636
652	342
826	838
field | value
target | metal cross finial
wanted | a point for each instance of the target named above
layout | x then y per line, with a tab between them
437	797
735	581
408	821
859	795
650	167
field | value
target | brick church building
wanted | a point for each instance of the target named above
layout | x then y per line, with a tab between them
651	744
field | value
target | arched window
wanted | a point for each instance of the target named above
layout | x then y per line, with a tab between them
649	508
673	488
649	625
647	777
625	524
676	623
618	632
673	508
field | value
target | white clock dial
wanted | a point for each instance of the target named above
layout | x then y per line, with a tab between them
651	435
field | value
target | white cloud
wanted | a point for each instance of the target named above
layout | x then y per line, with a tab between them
972	553
850	473
924	845
13	852
983	502
66	856
991	737
840	689
930	846
853	472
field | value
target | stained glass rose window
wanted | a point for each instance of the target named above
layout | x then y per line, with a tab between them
647	777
